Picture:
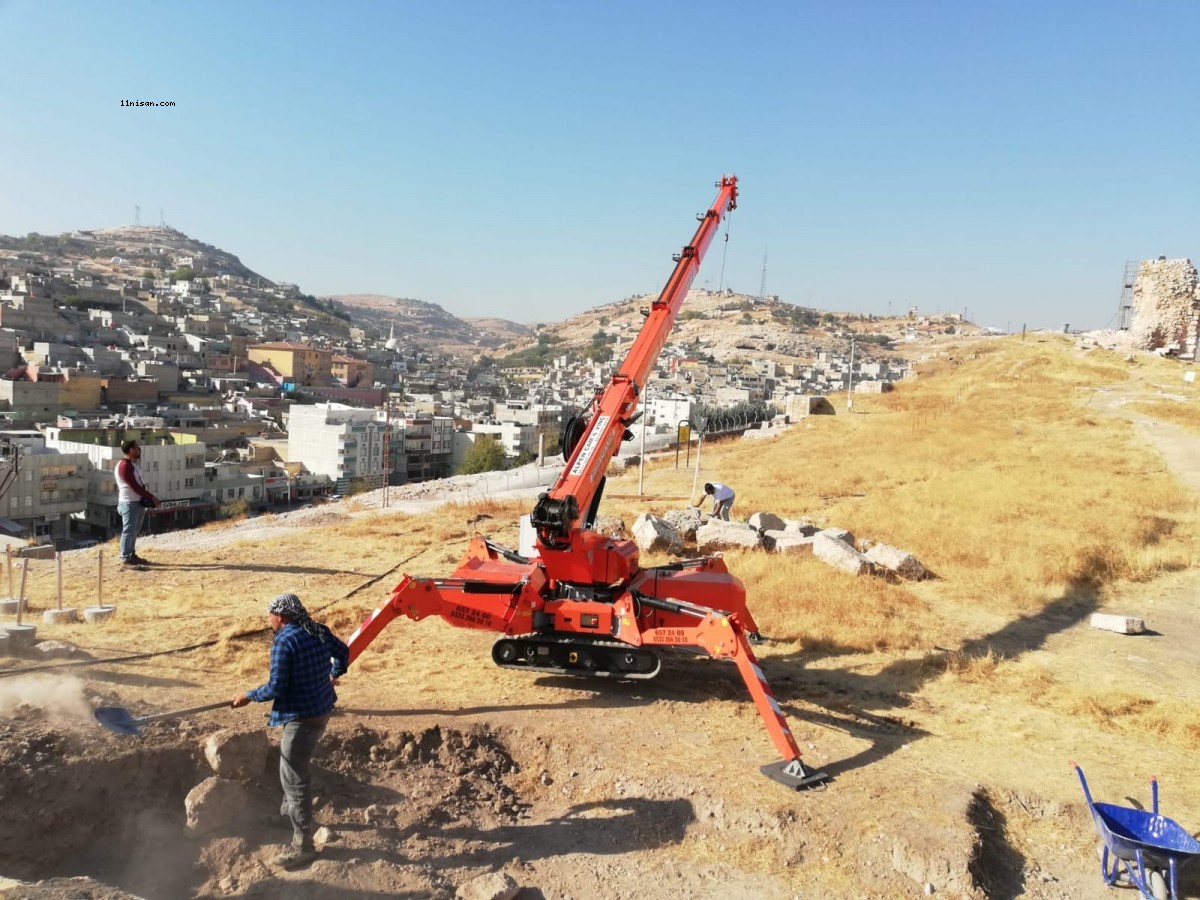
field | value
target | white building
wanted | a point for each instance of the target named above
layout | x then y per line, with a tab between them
338	441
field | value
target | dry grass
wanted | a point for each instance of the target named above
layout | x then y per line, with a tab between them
1179	412
990	469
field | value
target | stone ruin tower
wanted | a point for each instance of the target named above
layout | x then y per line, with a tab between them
1166	306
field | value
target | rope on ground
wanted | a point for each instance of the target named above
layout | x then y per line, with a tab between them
80	663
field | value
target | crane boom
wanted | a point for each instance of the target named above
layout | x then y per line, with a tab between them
582	605
575	493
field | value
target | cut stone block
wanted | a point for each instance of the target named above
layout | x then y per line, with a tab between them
766	521
653	534
808	529
839	554
685	521
901	562
840	534
716	535
787	542
1119	624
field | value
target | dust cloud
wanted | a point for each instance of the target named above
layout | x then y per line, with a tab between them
57	696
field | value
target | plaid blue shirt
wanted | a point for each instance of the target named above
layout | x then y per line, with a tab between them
300	673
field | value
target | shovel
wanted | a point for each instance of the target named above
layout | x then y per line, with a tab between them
118	719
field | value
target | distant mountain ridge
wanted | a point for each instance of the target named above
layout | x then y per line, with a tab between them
421	321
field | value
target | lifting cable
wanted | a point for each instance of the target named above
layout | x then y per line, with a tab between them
724	254
209	643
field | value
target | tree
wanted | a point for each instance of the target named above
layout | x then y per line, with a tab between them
485	455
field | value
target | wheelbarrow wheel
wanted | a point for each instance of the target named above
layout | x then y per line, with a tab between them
1158	885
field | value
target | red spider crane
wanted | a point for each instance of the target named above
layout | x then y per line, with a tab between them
581	605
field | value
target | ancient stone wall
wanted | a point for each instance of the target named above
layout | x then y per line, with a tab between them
1166	306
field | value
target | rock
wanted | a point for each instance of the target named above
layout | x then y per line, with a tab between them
496	886
610	526
685	521
653	534
324	836
839	554
787	542
240	755
900	562
54	649
716	535
214	804
765	521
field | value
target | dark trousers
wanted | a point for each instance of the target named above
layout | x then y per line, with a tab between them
296	747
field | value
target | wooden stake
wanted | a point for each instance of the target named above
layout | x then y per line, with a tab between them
21	595
58	566
100	579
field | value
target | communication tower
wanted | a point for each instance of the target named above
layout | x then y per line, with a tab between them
137	215
1125	311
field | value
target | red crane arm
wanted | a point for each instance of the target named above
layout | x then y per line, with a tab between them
558	511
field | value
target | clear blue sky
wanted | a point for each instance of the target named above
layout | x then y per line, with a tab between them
530	160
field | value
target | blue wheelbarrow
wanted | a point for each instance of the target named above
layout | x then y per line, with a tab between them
1147	849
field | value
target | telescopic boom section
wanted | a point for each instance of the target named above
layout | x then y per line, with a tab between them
558	511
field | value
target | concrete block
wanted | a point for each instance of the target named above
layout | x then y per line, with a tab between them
64	616
1119	624
95	614
20	637
9	606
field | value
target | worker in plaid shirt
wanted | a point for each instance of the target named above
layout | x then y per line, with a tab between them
306	658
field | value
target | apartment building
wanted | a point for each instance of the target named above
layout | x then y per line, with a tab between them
174	473
299	363
340	442
41	489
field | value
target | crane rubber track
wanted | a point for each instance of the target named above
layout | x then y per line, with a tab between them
573	655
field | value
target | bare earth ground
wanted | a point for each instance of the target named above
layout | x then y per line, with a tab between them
441	767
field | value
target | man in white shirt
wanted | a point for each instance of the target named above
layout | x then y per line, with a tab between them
132	501
722	498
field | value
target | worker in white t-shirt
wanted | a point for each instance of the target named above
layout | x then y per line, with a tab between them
722	498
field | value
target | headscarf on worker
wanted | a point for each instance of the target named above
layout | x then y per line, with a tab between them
289	606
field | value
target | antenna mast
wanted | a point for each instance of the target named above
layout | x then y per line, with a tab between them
762	285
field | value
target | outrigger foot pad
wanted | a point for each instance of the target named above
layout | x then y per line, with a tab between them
794	774
756	637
